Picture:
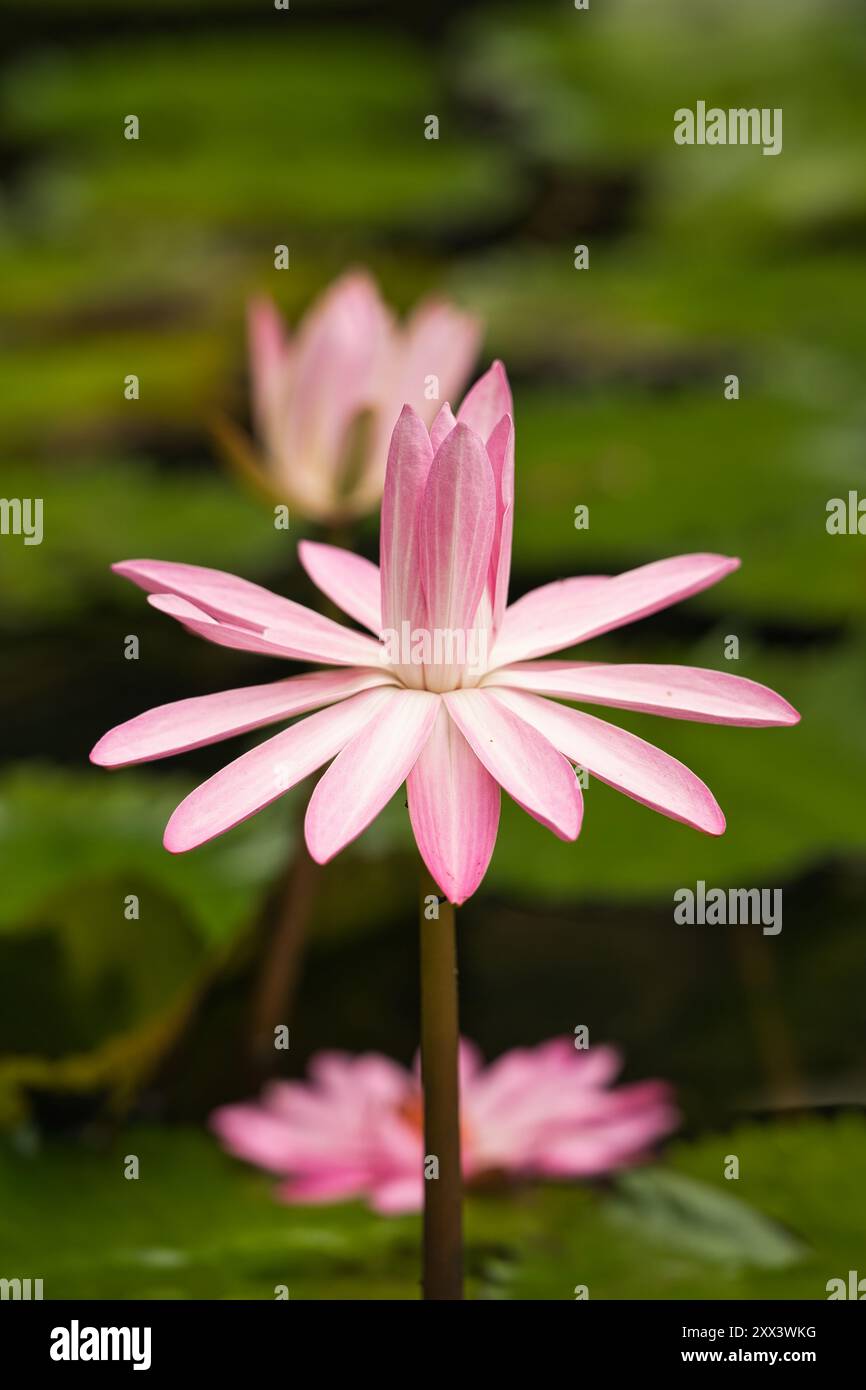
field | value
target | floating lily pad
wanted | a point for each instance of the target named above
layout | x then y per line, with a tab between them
61	828
788	1227
196	1224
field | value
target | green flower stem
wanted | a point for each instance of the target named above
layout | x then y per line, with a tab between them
443	1194
289	911
288	914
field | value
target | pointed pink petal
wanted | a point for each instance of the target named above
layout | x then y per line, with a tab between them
250	1132
457	520
221	595
349	580
442	427
505	1093
683	692
239	603
442	341
268	348
308	637
629	1121
204	719
409	460
486	403
439	341
396	1196
259	777
573	610
523	762
341	356
500	450
621	759
195	620
314	638
470	1063
524	625
335	1185
454	809
367	773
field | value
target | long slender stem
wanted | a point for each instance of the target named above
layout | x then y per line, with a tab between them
443	1193
280	969
290	909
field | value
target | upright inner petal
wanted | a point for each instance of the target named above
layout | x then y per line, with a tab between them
409	459
500	449
456	528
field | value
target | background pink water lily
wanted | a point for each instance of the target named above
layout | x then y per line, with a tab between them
354	1129
325	400
456	735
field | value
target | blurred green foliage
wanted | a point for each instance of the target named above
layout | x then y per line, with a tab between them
196	1225
603	97
115	508
106	941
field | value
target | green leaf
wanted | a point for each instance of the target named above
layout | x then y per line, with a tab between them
204	520
801	1221
60	828
196	1224
680	1212
88	999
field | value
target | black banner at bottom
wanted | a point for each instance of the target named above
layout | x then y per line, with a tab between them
70	1338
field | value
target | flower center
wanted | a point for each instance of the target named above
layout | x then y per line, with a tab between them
411	1112
437	658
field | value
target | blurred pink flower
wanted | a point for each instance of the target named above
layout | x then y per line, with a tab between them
325	401
355	1128
455	719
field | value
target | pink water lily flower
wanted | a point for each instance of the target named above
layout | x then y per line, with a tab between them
354	1129
457	718
325	401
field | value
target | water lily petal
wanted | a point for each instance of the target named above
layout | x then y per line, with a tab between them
368	771
524	763
500	450
265	773
621	759
681	692
454	809
204	719
572	610
409	459
487	401
349	580
307	637
457	521
442	426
